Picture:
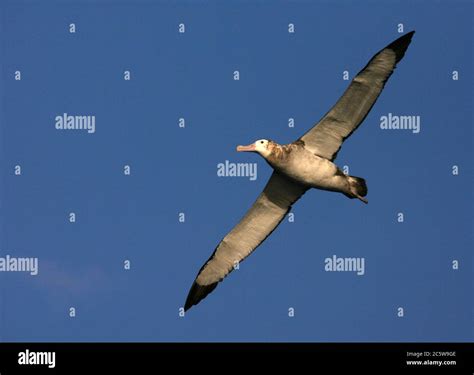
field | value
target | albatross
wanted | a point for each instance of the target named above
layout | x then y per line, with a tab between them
299	166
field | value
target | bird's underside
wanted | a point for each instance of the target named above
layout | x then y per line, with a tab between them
299	166
296	162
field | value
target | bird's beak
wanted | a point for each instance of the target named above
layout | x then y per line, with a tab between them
246	148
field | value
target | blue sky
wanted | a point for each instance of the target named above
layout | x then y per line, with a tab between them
174	170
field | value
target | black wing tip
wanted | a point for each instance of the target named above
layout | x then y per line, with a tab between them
400	45
197	293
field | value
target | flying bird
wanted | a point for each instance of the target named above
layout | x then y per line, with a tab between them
304	164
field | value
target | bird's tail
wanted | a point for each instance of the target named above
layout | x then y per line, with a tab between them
357	188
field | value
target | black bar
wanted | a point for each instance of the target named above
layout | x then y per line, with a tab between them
155	357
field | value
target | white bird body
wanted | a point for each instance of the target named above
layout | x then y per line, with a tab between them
309	169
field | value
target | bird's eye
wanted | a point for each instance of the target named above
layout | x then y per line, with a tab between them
262	142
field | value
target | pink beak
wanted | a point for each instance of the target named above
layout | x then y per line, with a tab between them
246	148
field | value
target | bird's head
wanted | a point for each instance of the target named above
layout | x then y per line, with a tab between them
262	146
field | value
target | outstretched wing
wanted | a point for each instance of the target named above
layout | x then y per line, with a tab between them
326	137
258	223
